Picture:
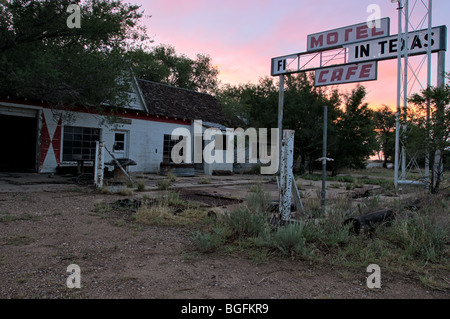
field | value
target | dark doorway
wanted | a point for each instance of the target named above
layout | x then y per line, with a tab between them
18	146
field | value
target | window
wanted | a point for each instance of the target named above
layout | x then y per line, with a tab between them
119	142
79	143
168	146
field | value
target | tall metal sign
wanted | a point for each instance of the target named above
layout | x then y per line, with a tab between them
350	54
415	42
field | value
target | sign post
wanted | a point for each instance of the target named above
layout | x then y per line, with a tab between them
99	164
280	114
286	174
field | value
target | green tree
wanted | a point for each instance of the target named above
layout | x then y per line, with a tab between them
257	104
164	65
304	111
354	139
385	127
438	127
42	58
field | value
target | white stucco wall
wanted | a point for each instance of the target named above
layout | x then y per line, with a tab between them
145	140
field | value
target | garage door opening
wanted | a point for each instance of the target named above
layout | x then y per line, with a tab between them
18	145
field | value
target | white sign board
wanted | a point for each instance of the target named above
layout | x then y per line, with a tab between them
346	73
281	65
354	33
386	48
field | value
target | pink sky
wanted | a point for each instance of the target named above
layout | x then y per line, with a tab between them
242	36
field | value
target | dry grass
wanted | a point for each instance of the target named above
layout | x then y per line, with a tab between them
169	210
158	213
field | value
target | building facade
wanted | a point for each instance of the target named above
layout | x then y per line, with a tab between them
41	139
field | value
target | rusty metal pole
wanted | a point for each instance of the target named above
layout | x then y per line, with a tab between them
286	175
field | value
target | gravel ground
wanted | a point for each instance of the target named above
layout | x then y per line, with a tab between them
42	232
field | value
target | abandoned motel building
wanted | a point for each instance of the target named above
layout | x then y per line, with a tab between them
40	140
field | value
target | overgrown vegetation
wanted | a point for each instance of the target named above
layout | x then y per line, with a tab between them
163	184
169	209
414	241
356	181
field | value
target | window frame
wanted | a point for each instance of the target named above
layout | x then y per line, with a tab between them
79	143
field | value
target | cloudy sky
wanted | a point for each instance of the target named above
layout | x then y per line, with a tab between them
241	36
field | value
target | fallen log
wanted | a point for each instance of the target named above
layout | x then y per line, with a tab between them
369	221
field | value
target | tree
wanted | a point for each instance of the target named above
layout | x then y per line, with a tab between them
438	127
42	58
355	138
304	111
257	104
385	126
162	64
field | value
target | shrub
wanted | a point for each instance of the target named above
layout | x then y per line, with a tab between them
417	236
171	177
257	200
163	184
173	199
289	239
244	223
141	186
206	242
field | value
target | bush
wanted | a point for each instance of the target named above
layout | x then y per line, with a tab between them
174	199
289	239
163	184
244	223
171	177
141	186
207	242
417	236
257	200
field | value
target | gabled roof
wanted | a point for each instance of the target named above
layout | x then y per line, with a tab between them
173	102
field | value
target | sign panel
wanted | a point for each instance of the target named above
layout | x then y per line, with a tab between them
386	48
282	65
346	73
354	33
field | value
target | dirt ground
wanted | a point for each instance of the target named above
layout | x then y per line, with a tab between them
47	223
